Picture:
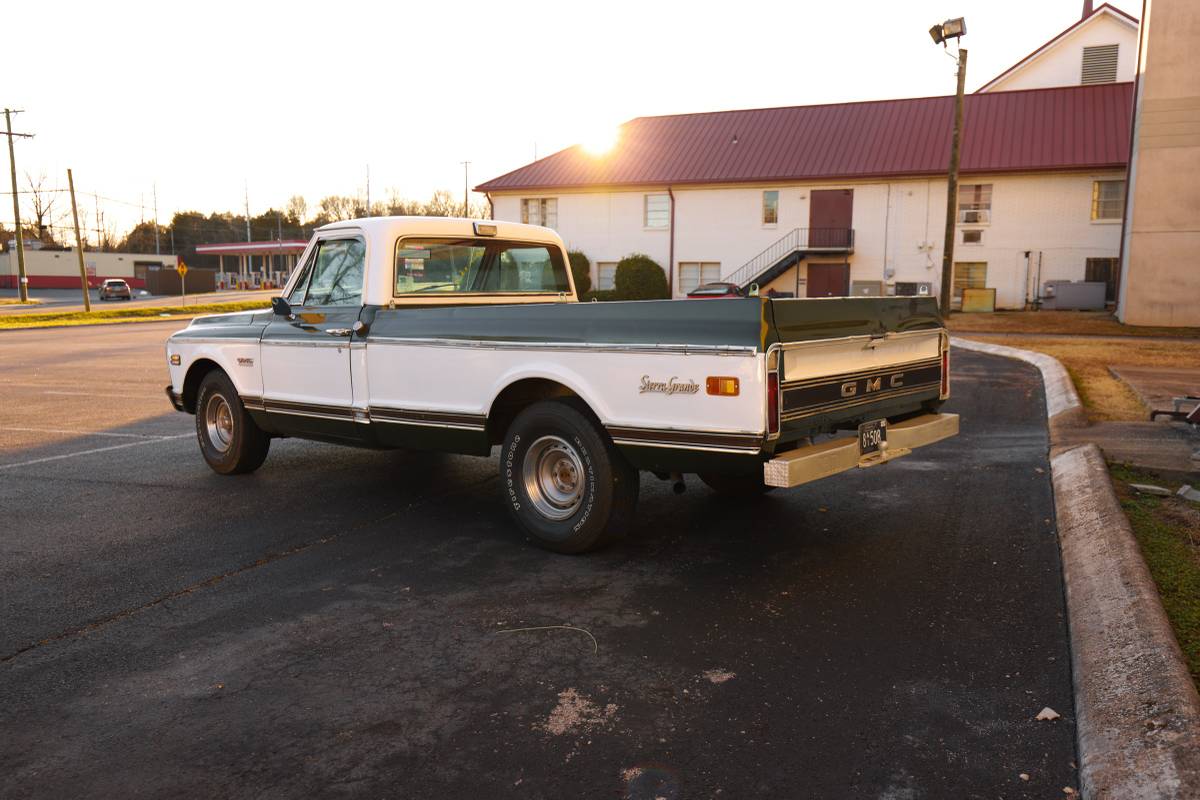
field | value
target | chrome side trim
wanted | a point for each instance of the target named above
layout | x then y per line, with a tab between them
432	419
701	448
597	347
213	339
253	403
340	343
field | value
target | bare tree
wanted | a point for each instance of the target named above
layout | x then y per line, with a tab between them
41	201
297	208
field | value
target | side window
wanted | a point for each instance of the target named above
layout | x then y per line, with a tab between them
337	274
296	298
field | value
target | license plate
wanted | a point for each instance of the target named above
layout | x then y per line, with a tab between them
871	437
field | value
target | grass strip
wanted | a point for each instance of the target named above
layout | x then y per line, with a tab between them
109	316
1168	530
1075	323
1104	396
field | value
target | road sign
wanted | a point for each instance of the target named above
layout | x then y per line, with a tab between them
181	269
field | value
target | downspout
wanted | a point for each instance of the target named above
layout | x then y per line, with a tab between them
671	248
491	206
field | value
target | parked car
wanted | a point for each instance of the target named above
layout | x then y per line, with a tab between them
710	291
115	289
460	336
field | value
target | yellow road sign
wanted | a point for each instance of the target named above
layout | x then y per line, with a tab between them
181	269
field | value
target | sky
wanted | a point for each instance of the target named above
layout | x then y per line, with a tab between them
206	101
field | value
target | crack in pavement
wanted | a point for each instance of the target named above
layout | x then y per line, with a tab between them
209	582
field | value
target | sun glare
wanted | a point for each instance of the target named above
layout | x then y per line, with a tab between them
600	141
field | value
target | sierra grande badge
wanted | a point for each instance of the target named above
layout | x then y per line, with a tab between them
669	387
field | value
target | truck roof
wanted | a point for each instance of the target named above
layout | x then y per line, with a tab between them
395	227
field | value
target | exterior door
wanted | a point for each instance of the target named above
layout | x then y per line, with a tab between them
828	280
1103	270
830	217
306	359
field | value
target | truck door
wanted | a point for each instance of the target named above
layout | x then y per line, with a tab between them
306	359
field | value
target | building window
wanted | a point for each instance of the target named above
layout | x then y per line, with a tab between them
770	208
606	275
540	211
1099	64
1108	199
657	211
972	237
969	275
694	273
975	203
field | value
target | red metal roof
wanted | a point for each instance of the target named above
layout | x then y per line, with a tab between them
1063	128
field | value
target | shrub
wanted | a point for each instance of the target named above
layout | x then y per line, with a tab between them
581	271
639	277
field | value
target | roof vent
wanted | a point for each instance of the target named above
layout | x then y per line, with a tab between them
1100	64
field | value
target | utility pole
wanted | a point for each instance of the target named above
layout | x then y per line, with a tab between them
952	190
368	190
96	197
466	195
22	280
87	299
249	257
157	249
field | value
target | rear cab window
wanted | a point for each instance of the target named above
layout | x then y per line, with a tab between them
471	266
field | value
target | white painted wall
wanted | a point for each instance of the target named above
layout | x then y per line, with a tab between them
898	229
1061	63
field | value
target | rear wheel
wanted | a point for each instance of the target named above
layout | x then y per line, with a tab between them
736	486
229	440
564	481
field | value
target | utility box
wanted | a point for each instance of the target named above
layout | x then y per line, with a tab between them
1074	295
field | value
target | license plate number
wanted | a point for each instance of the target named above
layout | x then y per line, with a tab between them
871	437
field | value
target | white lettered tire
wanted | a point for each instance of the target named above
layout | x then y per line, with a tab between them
563	480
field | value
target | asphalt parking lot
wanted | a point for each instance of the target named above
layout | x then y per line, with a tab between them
345	623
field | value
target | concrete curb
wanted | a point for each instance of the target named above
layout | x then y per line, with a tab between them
1137	711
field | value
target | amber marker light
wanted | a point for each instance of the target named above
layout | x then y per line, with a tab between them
722	386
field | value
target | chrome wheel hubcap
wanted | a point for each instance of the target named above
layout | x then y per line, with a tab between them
218	422
554	477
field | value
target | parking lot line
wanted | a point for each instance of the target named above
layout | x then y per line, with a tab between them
88	433
93	450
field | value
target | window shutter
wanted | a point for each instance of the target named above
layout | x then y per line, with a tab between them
1099	64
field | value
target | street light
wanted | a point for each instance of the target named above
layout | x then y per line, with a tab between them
952	29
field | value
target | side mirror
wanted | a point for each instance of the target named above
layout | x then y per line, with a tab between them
281	307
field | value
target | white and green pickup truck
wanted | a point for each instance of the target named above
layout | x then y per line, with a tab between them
460	335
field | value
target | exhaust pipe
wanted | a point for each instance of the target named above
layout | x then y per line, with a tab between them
677	484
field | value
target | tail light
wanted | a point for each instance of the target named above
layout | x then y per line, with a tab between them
945	389
772	403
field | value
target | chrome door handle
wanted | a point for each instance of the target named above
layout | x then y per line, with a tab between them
339	331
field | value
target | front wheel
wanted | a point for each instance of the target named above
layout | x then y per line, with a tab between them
229	440
563	479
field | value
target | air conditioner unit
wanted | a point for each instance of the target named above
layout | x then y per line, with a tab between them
913	289
974	216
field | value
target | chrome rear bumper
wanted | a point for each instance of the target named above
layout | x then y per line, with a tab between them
818	461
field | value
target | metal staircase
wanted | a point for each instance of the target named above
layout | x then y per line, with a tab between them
790	249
